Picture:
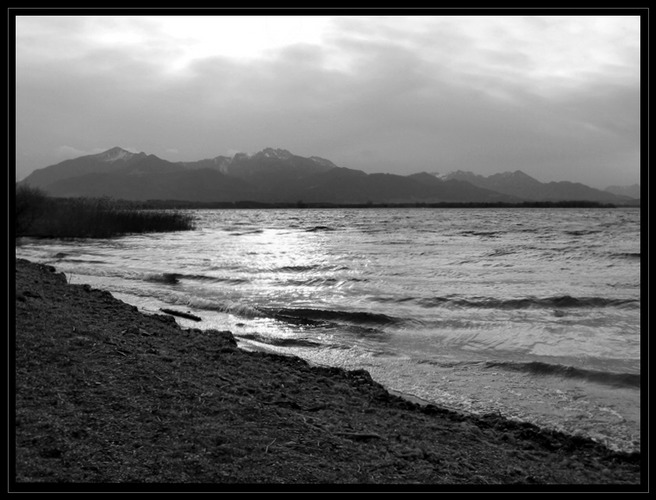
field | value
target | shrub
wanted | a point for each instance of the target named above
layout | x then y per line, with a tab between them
99	218
31	203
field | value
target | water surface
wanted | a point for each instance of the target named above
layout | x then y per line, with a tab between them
533	313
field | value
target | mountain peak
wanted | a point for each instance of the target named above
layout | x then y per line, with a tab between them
518	174
115	154
240	156
456	175
277	154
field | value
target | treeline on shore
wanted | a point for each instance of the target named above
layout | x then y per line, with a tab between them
179	204
39	215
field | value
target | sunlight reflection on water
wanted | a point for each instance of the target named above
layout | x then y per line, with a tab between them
403	293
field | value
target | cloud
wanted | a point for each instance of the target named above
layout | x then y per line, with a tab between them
68	152
555	97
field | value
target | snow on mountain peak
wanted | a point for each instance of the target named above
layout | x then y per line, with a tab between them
115	154
278	154
455	174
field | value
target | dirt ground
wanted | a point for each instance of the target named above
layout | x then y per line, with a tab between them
109	398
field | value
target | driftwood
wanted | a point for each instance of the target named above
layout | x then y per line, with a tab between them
181	314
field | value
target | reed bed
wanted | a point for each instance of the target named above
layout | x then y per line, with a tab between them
40	215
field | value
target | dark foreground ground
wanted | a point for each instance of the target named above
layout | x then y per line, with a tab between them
106	394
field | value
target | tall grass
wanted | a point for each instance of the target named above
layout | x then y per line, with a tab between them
40	215
31	203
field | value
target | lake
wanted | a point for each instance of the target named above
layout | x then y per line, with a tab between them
531	313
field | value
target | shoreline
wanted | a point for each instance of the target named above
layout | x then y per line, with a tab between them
593	415
107	394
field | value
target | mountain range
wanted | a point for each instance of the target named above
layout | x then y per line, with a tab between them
278	176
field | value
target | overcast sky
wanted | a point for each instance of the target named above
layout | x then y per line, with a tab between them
555	97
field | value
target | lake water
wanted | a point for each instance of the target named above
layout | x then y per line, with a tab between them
532	313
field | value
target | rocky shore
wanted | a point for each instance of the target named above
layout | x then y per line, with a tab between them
109	398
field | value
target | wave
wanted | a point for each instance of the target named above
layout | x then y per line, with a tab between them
561	301
499	252
297	268
315	267
230	307
213	279
317	281
540	368
357	321
250	231
312	282
281	342
168	278
583	232
488	234
318	316
626	255
174	278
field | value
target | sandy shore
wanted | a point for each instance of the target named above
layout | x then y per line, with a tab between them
106	394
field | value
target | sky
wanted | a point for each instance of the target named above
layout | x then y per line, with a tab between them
557	97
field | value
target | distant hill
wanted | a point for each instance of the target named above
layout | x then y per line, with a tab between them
632	191
276	175
523	186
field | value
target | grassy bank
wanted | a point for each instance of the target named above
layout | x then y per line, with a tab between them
39	215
